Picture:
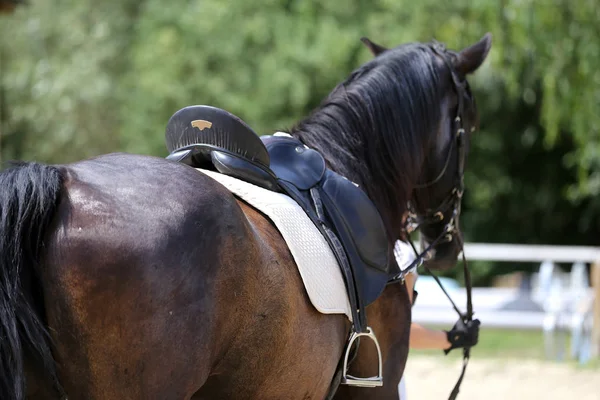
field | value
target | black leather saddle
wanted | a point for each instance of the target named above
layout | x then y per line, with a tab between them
212	138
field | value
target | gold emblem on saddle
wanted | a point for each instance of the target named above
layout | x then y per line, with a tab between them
201	124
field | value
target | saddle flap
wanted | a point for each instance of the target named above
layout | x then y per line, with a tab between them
359	216
362	232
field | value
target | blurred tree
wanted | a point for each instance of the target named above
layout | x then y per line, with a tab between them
60	77
84	78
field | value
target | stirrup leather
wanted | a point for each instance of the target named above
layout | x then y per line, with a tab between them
373	381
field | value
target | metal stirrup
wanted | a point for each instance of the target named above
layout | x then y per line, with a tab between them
374	381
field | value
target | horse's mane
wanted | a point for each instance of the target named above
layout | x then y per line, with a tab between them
374	127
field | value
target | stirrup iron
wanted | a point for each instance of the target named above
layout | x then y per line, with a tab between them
373	381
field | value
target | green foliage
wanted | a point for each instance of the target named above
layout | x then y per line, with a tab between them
82	78
59	69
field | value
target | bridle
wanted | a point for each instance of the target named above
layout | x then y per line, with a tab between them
452	203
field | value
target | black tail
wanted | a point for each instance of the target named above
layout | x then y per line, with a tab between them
29	195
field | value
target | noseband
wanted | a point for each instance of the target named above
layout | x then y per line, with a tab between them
452	202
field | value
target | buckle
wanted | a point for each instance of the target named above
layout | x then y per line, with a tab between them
373	381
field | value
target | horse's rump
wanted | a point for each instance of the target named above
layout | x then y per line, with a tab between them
132	269
153	263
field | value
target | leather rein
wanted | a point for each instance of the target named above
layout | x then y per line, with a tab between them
452	202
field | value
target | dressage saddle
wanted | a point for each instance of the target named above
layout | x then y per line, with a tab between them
212	138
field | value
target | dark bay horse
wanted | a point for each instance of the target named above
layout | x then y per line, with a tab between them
133	277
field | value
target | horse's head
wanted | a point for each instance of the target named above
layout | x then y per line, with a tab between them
435	204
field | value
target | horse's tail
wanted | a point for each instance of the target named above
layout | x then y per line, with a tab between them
29	194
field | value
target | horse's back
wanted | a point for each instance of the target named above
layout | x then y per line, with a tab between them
149	191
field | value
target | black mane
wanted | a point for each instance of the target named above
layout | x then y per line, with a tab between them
374	127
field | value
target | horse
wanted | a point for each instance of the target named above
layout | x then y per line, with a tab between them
128	276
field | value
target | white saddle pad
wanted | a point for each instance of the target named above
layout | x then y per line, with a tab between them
316	262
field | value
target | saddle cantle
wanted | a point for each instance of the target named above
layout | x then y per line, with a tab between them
214	139
201	129
204	136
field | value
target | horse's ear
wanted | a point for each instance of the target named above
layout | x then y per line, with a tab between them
471	58
375	48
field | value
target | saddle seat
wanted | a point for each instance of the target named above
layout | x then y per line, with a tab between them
212	138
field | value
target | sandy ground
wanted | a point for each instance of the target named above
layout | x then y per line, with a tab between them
433	378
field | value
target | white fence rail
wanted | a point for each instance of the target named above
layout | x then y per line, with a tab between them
531	253
555	302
